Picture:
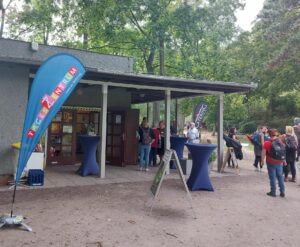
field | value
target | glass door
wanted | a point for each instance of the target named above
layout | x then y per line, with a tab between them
115	138
61	139
64	146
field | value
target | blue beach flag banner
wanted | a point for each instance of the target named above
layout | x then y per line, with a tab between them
199	113
55	80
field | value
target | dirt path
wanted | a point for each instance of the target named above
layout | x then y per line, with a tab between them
238	213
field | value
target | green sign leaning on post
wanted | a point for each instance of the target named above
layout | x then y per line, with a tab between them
158	177
160	174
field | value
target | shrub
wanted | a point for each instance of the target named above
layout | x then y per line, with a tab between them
212	157
249	127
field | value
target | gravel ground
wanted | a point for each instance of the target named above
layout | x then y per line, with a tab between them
237	213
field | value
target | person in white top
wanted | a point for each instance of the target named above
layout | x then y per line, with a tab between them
193	134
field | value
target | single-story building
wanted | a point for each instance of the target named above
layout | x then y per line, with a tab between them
103	98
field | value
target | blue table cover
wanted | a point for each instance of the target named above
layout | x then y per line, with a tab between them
89	164
199	178
177	143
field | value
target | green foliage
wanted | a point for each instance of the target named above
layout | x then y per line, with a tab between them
37	20
192	39
212	157
143	110
248	128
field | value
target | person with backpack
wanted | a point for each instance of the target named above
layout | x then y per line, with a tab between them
291	144
274	152
297	133
257	139
146	138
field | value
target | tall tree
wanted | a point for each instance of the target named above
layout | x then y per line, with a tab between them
3	9
36	21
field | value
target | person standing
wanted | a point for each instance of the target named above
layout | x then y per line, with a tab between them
258	141
154	146
138	136
173	128
297	133
274	152
146	139
232	134
161	149
193	134
291	144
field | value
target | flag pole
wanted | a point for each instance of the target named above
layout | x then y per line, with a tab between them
13	199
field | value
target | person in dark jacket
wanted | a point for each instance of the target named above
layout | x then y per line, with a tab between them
297	133
161	149
291	144
232	135
258	144
146	138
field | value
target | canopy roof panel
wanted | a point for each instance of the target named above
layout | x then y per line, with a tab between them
147	88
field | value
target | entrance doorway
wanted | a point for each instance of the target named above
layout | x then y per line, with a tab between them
115	138
121	142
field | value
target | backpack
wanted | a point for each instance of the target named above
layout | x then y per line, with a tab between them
256	138
146	137
291	143
277	151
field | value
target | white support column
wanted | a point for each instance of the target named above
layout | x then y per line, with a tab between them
148	114
102	152
220	131
168	122
177	115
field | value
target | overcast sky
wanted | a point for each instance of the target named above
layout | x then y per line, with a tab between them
249	13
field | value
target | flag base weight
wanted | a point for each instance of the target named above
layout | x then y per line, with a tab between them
14	220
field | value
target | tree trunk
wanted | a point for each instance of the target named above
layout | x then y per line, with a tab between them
149	61
46	36
161	56
2	19
156	105
150	70
85	41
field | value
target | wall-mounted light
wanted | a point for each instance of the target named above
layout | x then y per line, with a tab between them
34	46
142	95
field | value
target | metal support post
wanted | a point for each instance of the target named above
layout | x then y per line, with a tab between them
102	151
220	99
168	122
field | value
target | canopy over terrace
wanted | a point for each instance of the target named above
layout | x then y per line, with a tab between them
152	87
148	88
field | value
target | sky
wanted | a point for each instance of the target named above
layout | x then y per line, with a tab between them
248	15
